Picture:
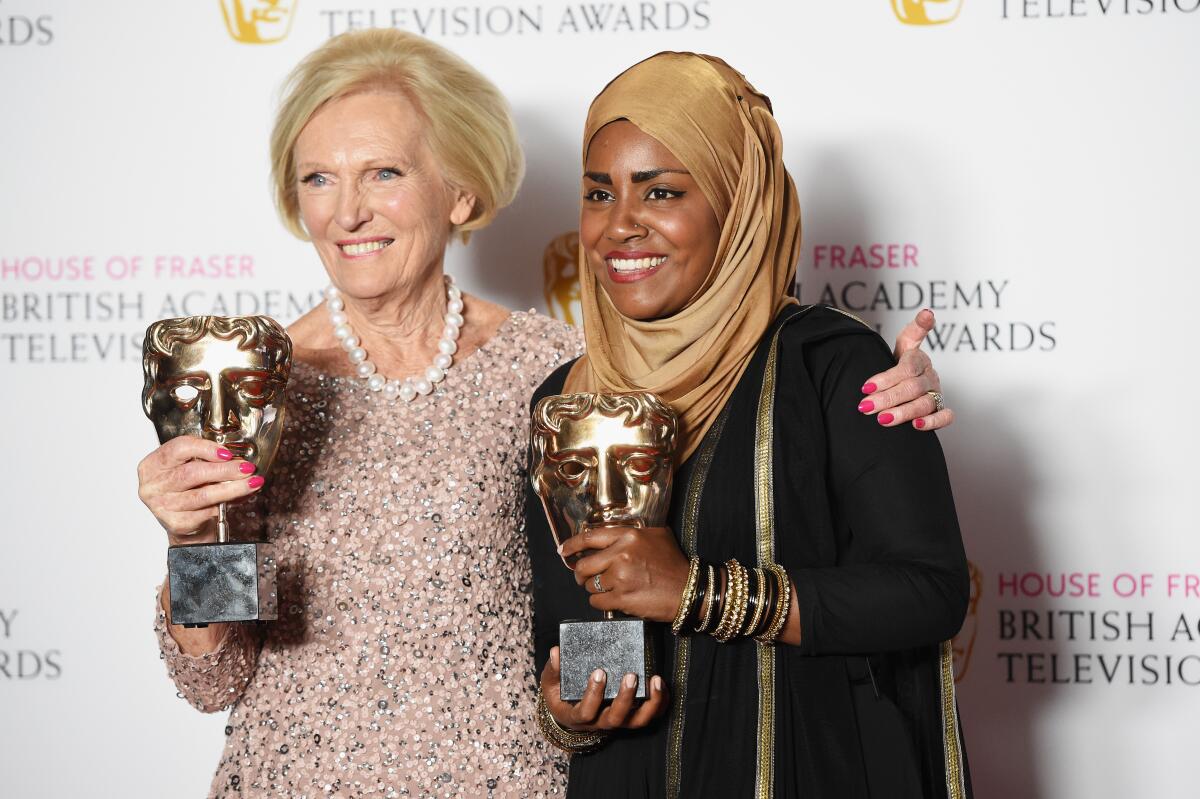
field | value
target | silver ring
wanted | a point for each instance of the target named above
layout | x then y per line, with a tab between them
938	402
596	583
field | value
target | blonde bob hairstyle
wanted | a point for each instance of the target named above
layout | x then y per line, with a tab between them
470	128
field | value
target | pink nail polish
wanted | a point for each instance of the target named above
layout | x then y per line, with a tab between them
224	454
246	468
866	406
868	388
886	418
255	481
919	424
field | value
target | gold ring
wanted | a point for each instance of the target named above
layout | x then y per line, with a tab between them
938	402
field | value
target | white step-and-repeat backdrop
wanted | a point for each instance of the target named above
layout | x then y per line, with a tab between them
1030	169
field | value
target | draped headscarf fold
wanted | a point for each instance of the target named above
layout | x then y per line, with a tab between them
722	130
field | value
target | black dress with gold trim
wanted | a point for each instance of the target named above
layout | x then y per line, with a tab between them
862	518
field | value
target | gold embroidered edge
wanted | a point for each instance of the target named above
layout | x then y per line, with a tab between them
764	511
687	538
951	735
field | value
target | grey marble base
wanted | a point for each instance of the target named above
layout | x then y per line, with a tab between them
212	583
619	646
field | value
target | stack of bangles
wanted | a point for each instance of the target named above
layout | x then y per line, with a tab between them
732	601
567	740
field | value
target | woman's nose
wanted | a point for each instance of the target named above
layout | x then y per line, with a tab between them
352	211
623	224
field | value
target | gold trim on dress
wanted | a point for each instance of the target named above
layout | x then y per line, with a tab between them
764	522
951	734
687	538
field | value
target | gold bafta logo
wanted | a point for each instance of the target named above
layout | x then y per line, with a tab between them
926	12
258	21
963	644
560	277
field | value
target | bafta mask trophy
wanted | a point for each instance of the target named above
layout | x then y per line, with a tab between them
603	459
221	378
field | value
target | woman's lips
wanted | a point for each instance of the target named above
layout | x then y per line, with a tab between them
628	267
361	248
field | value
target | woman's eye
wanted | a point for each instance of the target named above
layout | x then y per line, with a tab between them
664	194
315	179
597	195
388	174
185	395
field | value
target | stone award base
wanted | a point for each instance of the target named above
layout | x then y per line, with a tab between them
619	646
212	583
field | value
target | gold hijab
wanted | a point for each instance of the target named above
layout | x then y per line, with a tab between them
722	130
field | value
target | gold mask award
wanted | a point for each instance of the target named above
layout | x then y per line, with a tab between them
220	378
597	460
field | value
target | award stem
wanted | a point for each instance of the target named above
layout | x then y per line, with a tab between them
222	524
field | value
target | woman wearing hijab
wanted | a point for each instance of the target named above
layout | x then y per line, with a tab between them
813	570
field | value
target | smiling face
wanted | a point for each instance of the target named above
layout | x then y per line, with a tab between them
648	232
372	194
205	378
603	460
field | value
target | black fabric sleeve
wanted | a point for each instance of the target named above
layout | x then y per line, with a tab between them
901	575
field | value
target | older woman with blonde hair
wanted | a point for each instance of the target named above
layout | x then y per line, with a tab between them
400	664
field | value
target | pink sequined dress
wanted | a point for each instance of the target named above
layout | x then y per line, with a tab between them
401	664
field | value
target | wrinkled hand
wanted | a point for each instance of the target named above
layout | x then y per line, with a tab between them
184	480
589	715
642	569
899	394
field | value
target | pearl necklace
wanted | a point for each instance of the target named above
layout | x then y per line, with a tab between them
410	388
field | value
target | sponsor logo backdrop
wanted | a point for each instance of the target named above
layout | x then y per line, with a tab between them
1027	168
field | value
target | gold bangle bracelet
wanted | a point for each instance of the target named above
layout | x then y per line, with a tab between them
734	610
728	601
567	740
760	600
689	595
710	595
743	602
782	606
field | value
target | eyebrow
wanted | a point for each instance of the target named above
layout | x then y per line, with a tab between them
636	177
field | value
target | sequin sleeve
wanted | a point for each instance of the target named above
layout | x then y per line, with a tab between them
213	681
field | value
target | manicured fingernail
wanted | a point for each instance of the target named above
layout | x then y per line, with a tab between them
886	418
224	454
629	681
866	406
868	388
255	481
919	424
598	675
246	467
656	682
